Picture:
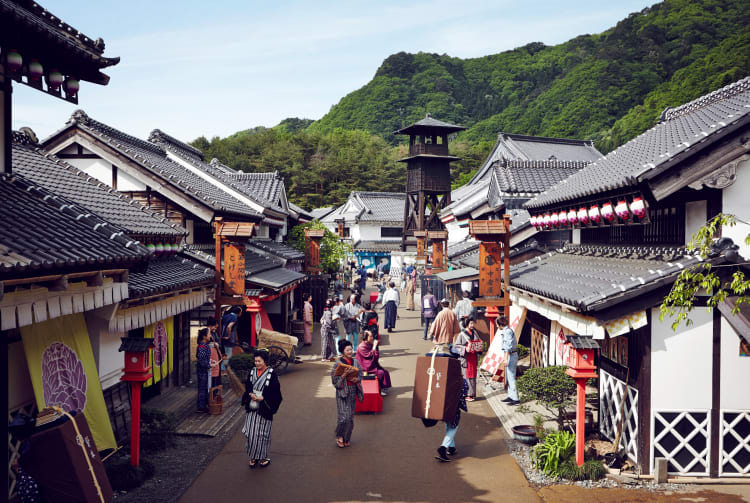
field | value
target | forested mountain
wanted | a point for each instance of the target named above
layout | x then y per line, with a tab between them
608	87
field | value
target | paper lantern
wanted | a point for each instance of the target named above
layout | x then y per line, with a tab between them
554	219
547	221
36	70
608	213
532	221
563	218
572	217
583	216
72	86
14	60
159	248
638	207
54	79
594	214
151	247
622	210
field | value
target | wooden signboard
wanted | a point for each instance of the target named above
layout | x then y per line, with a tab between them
490	270
234	269
312	249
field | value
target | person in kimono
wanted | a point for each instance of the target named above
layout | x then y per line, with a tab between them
429	310
445	327
370	321
391	301
409	289
327	333
261	399
348	391
308	317
337	312
464	309
463	346
368	357
350	314
203	357
510	348
217	358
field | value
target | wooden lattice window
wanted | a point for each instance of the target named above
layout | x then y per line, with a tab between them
611	410
538	348
683	439
734	443
666	227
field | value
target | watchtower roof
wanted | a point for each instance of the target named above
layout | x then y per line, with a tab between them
431	126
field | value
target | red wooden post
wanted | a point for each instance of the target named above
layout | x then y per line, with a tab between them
254	308
580	419
135	423
492	313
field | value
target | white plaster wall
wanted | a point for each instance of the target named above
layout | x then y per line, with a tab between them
456	233
735	200
126	183
332	227
576	237
735	370
98	168
681	362
371	232
105	346
70	149
20	390
695	218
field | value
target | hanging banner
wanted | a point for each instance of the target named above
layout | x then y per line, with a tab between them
63	372
162	357
559	347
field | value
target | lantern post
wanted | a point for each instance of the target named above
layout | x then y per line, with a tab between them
137	371
581	368
313	237
254	308
438	239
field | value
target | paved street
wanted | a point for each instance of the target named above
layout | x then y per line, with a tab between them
391	457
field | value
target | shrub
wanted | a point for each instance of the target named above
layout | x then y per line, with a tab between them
551	387
523	351
124	477
242	362
157	429
558	447
593	469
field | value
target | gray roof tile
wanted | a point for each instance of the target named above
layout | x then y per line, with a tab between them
701	120
374	207
531	177
164	275
68	181
279	249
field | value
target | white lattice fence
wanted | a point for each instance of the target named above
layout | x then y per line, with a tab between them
611	410
734	460
13	446
683	438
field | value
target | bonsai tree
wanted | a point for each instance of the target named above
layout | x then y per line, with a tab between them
552	388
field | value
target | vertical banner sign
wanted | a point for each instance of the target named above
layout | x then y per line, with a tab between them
162	357
490	270
420	247
438	255
63	372
234	269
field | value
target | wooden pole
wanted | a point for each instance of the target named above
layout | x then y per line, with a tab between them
580	419
219	286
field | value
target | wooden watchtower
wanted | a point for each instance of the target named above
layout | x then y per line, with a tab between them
428	175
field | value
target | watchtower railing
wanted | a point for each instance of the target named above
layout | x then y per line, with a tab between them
429	149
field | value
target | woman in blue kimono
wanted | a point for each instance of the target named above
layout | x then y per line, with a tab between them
203	355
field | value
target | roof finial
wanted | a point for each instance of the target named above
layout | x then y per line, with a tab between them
427	115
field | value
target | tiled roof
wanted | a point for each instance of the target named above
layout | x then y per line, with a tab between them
164	275
319	213
680	133
456	274
279	249
468	200
42	232
265	193
531	177
374	207
277	278
461	248
68	181
510	147
154	158
591	278
22	21
429	122
383	245
300	211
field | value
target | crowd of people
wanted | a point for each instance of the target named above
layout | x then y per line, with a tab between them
350	339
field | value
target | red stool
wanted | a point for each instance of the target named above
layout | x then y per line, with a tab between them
374	297
373	401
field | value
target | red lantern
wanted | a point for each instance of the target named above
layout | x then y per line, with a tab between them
547	221
622	210
36	70
562	217
572	217
594	214
607	212
583	216
554	220
54	79
72	86
638	207
14	60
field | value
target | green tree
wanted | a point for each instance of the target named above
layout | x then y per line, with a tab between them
552	388
706	277
333	251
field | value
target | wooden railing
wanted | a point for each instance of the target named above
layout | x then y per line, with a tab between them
428	148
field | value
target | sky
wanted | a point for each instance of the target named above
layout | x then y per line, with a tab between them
211	69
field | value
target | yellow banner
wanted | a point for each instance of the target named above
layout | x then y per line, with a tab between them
63	372
162	356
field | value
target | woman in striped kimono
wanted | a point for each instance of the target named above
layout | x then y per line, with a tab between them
348	390
327	332
262	399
